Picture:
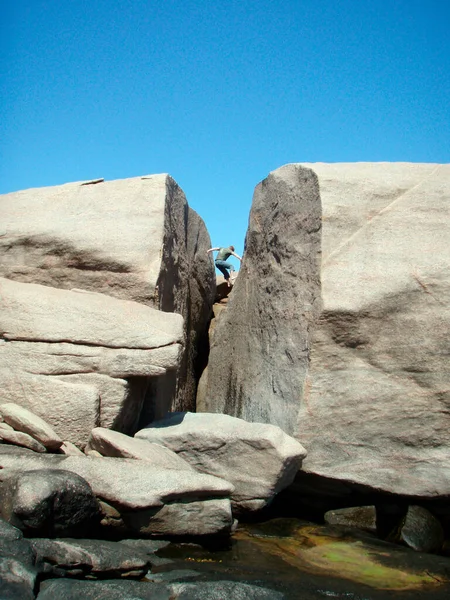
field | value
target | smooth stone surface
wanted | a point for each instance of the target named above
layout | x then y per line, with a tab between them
375	407
258	459
24	420
113	443
421	530
18	438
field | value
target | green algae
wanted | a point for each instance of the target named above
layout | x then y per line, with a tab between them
333	553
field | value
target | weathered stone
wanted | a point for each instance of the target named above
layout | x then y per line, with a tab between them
90	558
361	517
9	532
258	459
260	349
49	502
69	449
24	420
133	485
182	517
66	589
46	314
421	530
375	406
113	443
90	357
18	570
21	439
133	239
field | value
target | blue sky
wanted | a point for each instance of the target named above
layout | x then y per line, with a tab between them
218	93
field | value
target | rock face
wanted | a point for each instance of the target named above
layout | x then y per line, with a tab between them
133	239
376	405
260	350
357	369
80	360
258	459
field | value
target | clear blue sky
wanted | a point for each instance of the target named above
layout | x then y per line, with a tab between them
218	93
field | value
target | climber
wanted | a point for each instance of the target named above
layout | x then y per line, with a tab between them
221	261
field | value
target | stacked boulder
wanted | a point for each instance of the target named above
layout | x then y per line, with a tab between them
187	474
128	352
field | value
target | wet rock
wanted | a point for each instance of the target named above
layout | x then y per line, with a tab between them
131	590
361	517
421	530
49	502
90	558
18	569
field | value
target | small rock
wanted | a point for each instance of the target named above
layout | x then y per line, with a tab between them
361	517
113	443
24	420
421	530
21	439
69	449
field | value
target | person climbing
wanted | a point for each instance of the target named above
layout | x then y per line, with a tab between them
221	261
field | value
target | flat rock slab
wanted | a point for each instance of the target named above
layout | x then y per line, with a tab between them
133	590
258	459
96	558
78	360
113	443
126	483
44	314
18	438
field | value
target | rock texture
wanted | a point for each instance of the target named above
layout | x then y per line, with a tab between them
49	502
133	239
260	350
375	410
149	499
115	444
79	360
23	420
258	459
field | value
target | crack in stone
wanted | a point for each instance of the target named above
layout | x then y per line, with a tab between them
387	208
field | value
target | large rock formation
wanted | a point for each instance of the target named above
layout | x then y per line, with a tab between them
260	349
376	406
133	239
366	386
81	360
